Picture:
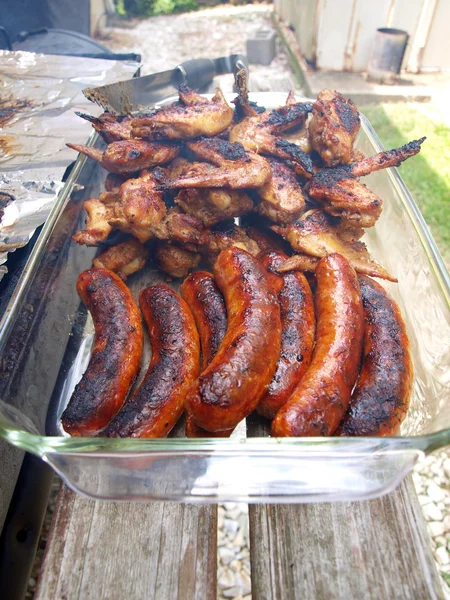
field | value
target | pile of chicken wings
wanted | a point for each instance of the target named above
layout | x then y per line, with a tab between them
181	175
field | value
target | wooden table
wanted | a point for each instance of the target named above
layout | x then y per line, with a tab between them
377	550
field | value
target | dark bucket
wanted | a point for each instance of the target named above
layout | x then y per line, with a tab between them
387	54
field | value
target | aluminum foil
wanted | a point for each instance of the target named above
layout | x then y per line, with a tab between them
39	96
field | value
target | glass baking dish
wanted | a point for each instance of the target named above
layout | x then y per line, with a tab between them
46	336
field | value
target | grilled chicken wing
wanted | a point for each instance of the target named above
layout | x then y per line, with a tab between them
192	117
175	260
282	198
141	207
127	156
333	128
339	192
315	234
211	206
124	259
259	133
215	240
235	168
99	212
111	127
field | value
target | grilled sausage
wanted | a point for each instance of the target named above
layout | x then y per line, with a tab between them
157	404
323	394
231	386
115	358
297	336
208	307
380	400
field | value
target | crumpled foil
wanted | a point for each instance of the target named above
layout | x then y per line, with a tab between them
39	96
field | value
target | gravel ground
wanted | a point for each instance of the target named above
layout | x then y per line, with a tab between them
164	42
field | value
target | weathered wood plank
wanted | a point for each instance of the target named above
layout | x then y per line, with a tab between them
376	550
117	551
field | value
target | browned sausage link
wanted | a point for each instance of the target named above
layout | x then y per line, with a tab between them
208	307
323	394
231	386
298	324
381	398
157	404
115	358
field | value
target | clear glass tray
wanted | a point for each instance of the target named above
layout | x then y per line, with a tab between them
45	339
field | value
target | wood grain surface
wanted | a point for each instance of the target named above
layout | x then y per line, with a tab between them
129	551
373	550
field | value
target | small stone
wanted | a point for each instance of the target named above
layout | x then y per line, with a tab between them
236	566
249	597
226	555
226	580
442	556
232	592
435	529
230	525
229	506
446	467
436	493
432	513
246	583
440	540
239	539
447	523
424	499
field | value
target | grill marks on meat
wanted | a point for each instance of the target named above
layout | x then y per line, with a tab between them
315	234
234	167
297	336
141	207
380	400
124	259
214	241
156	406
175	260
128	156
211	206
208	307
282	198
323	394
333	128
231	386
339	192
259	132
192	117
116	355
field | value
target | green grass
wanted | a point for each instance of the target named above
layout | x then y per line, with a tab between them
427	175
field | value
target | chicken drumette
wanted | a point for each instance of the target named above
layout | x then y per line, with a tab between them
282	199
333	128
124	259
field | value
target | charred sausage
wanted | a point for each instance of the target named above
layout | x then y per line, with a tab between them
157	404
115	358
208	307
297	336
323	394
232	385
380	400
